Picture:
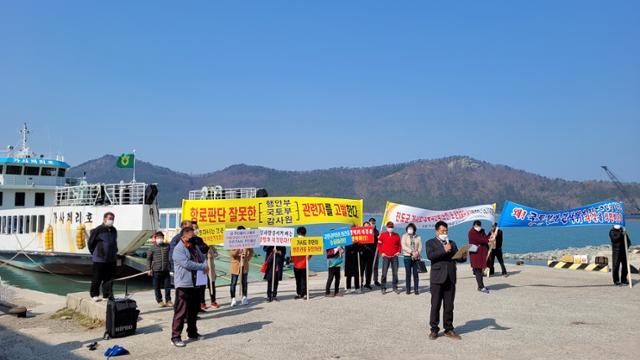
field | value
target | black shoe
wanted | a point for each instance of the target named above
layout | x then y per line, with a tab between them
417	292
275	298
196	337
297	297
368	287
408	292
377	284
269	299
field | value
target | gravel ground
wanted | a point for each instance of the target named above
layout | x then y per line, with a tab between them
535	313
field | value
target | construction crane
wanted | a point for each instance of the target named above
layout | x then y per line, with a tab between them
628	199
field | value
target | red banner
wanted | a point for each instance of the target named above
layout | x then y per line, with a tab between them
362	235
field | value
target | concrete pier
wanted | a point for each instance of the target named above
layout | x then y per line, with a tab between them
535	313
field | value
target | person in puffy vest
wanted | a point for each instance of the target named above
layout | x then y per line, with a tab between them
158	267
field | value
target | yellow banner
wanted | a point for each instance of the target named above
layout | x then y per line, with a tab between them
307	246
211	234
273	211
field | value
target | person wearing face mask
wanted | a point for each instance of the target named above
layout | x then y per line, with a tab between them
300	269
240	258
103	246
176	239
440	251
158	267
480	239
367	256
187	260
411	250
389	246
209	251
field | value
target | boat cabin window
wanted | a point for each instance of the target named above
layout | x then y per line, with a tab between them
14	170
61	172
19	199
40	223
31	170
0	198
1	169
34	222
47	171
39	199
20	224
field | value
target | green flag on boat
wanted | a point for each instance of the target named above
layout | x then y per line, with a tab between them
125	161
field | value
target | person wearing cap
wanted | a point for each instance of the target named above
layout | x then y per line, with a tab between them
440	251
389	247
619	255
187	261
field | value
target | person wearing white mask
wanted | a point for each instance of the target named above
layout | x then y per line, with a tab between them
411	251
440	251
480	239
103	246
389	246
158	267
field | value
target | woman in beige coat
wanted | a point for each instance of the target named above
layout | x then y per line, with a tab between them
239	256
411	250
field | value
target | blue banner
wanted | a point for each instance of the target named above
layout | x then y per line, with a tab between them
339	237
602	213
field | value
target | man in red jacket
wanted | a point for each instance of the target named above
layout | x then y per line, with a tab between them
389	246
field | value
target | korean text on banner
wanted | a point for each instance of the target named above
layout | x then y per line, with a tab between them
303	246
273	211
427	219
241	239
211	234
274	236
602	213
334	238
362	235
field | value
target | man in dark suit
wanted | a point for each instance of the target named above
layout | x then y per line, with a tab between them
440	250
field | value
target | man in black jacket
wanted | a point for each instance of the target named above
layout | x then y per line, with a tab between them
103	246
440	251
496	252
619	255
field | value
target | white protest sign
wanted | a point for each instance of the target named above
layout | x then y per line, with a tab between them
275	236
240	239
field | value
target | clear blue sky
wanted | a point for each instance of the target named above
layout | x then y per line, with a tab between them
551	87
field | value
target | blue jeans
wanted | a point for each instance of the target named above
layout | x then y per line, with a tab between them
162	279
386	262
411	268
234	283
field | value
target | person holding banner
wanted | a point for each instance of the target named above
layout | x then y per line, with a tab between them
374	251
479	239
390	247
351	266
239	257
212	252
300	268
411	250
440	251
188	262
496	252
334	260
368	255
619	255
279	252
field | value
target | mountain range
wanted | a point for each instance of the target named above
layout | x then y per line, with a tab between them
434	184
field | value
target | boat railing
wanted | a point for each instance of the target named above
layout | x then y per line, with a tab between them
101	194
219	193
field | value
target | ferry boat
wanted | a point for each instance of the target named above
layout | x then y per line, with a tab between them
46	217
